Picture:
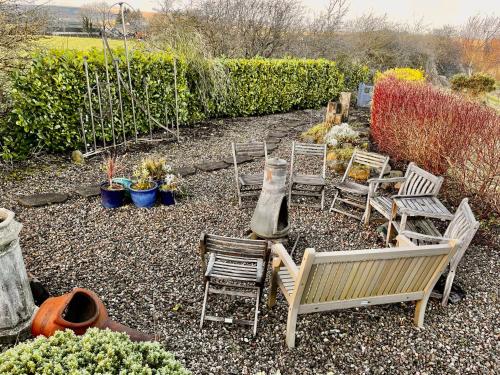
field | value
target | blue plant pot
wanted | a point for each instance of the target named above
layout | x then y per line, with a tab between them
167	197
111	198
144	198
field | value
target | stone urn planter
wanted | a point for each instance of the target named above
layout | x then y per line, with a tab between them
16	301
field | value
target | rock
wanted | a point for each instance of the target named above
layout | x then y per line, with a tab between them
276	134
273	140
359	173
392	173
186	171
240	159
77	157
88	191
210	166
387	169
37	200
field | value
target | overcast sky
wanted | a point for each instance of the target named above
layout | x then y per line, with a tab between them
433	12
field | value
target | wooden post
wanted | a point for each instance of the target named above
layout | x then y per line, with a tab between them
331	110
345	101
16	301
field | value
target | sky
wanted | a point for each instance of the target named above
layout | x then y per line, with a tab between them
434	13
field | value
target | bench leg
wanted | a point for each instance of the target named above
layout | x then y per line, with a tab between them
368	212
207	286
418	320
290	327
271	300
334	200
447	287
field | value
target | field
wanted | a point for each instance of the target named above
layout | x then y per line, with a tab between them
78	43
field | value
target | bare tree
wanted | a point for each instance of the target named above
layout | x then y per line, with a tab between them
247	27
477	39
332	18
97	13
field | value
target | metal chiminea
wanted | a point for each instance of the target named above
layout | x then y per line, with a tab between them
270	218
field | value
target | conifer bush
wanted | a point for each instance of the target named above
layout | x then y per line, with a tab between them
96	352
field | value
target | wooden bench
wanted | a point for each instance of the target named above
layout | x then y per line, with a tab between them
345	279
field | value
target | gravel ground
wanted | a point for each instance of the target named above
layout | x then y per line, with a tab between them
145	266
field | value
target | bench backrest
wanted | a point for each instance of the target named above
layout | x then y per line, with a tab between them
345	279
420	182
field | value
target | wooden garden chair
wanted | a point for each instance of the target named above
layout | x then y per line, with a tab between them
307	185
235	267
416	182
462	227
336	280
352	193
248	185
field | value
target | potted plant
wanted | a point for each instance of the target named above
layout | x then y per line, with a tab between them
168	188
112	193
157	168
143	190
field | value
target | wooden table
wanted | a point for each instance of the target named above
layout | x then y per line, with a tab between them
424	205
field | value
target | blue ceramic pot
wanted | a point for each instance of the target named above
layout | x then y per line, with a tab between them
167	197
111	198
144	198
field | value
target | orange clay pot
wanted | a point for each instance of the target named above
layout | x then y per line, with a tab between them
77	310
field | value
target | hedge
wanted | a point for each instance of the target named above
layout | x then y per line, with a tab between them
96	352
48	94
445	133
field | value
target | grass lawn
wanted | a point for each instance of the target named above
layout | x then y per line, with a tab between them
71	42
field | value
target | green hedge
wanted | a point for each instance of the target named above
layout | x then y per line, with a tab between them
47	95
96	352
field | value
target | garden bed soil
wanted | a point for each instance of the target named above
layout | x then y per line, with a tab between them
144	264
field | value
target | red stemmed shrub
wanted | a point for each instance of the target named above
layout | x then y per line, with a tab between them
442	132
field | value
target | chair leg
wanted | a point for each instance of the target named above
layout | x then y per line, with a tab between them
207	286
290	327
271	299
368	213
447	287
256	311
290	194
334	200
322	198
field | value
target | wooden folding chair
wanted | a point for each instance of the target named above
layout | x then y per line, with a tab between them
248	185
352	193
307	185
462	228
236	267
416	182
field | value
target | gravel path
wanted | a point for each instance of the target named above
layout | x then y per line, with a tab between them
144	264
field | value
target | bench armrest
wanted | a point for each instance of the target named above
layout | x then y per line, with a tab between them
425	237
389	180
412	196
282	257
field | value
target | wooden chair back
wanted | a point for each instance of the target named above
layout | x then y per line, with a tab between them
420	182
249	149
365	277
309	149
463	227
369	159
239	247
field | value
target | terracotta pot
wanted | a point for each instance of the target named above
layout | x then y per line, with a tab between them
78	310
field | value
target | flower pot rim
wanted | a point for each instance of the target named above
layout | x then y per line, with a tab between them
114	183
155	186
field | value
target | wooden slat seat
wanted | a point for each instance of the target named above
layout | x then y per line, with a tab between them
336	280
305	179
235	268
354	194
352	187
233	263
307	185
251	179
